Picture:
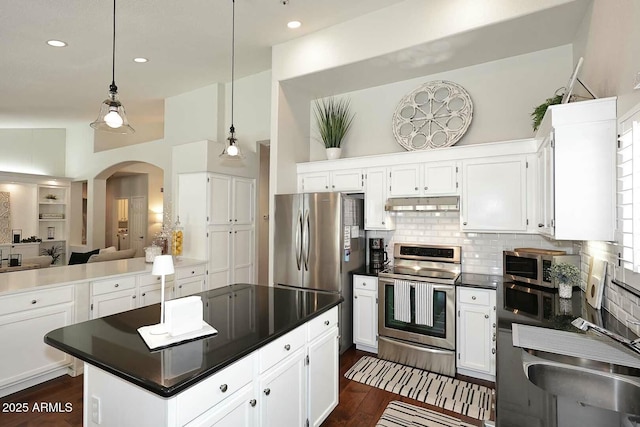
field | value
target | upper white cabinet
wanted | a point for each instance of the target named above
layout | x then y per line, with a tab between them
218	215
341	180
425	179
375	197
494	194
577	171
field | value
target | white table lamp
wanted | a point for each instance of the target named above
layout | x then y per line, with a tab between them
162	266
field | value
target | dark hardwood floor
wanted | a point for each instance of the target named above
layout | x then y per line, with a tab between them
360	404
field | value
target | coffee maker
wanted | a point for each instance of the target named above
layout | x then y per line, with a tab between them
377	254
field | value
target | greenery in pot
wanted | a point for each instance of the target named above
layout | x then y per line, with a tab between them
334	119
540	110
564	272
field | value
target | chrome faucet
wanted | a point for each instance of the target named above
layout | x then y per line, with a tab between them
585	325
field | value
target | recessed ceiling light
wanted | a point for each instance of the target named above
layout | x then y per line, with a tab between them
56	43
294	24
140	60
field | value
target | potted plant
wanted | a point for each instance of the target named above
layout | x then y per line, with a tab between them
566	276
333	118
540	110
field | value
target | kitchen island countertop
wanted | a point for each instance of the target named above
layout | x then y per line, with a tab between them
246	316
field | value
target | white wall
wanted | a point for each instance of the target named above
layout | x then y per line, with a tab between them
34	151
21	205
608	41
504	93
194	115
252	109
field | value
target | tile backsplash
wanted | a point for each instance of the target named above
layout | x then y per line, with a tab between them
482	252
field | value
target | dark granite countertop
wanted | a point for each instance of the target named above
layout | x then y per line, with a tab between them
246	316
367	270
484	281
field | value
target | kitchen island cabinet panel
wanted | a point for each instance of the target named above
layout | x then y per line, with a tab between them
323	384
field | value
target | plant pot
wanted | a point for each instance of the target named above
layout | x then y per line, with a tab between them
564	290
333	153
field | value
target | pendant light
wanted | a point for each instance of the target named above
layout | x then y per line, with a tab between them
112	117
231	149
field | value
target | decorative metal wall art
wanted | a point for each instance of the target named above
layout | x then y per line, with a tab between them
435	115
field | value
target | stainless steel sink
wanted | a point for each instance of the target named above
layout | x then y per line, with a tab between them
591	383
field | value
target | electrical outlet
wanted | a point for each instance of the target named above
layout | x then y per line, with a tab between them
95	410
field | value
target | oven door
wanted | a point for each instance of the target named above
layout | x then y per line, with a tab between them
441	334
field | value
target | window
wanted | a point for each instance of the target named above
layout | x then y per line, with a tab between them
628	195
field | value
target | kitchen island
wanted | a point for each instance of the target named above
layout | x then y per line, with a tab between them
273	362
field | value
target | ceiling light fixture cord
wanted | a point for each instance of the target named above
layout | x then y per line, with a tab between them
233	54
113	87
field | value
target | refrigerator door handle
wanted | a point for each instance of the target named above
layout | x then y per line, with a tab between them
307	240
299	240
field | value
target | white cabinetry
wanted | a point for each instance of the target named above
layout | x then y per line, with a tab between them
114	295
494	194
476	334
375	197
218	215
424	179
365	313
339	180
578	169
149	289
283	391
189	280
26	318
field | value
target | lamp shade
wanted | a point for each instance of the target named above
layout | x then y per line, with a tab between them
162	265
112	117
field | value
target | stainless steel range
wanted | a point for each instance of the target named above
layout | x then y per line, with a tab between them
422	277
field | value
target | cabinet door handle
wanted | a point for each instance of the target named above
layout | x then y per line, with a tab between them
223	388
235	220
364	283
473	298
33	301
486	316
355	297
426	188
179	286
252	402
540	225
287	347
326	322
493	351
416	188
144	295
116	285
464	223
267	391
133	296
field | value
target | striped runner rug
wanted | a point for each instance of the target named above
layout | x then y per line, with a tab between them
445	392
400	414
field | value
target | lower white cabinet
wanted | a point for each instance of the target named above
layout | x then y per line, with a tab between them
282	392
323	383
365	313
26	318
238	410
476	332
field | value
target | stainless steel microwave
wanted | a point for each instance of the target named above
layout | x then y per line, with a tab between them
529	265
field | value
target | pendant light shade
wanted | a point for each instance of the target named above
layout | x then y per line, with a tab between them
112	117
231	149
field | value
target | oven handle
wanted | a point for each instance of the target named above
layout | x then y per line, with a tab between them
435	286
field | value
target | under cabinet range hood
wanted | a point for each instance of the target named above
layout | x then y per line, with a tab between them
428	204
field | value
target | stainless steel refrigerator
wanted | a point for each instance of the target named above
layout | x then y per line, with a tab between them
319	240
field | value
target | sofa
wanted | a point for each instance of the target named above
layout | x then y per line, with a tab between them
98	255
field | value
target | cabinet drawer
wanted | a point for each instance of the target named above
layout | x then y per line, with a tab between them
322	323
116	284
474	296
186	272
197	399
149	279
37	299
282	347
369	283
